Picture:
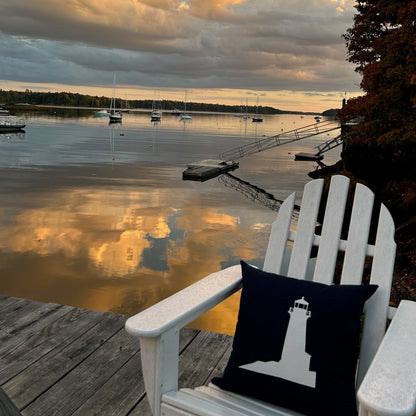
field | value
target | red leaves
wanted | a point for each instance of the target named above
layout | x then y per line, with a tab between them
382	42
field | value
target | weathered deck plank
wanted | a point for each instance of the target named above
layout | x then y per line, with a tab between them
64	329
27	319
72	391
60	360
58	366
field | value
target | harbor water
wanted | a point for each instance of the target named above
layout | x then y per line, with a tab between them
97	216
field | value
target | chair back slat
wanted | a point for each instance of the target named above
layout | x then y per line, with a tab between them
276	248
305	229
331	230
356	248
378	305
358	232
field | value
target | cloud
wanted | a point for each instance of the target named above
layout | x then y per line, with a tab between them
267	45
216	10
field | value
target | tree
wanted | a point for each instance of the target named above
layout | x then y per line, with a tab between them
382	43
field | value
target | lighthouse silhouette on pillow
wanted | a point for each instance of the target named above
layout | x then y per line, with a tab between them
294	363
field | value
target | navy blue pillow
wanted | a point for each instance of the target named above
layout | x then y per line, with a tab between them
296	343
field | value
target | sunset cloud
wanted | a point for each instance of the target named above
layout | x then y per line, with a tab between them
164	44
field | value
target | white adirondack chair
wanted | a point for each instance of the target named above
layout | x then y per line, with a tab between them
386	377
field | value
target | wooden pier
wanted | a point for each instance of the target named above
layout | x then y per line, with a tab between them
61	360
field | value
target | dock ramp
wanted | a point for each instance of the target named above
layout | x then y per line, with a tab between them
279	140
329	144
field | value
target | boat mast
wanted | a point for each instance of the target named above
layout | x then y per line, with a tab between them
113	98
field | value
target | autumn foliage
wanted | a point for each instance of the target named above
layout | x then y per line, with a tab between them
382	44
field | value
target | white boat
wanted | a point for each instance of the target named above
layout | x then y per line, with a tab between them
176	112
11	123
4	112
126	109
101	113
243	114
184	116
156	115
156	112
115	116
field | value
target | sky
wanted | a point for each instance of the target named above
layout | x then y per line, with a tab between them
288	54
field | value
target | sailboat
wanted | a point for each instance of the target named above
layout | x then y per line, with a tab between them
156	114
184	116
126	108
257	118
243	114
115	116
156	111
101	113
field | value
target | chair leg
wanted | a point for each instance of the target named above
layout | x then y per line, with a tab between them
160	363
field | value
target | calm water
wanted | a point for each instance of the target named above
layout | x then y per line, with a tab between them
99	217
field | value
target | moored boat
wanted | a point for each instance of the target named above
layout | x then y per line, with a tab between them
11	123
115	115
257	118
4	112
184	116
156	114
101	113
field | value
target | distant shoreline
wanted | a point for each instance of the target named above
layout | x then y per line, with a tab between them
147	110
35	107
29	99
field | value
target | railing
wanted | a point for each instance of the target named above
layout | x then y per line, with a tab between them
330	144
279	139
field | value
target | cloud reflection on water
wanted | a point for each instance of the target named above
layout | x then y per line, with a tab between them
115	250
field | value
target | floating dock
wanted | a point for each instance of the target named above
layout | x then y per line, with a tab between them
207	169
308	156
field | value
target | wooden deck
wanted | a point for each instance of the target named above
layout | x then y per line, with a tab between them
61	360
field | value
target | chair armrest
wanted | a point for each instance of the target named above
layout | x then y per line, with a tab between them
389	387
158	329
185	306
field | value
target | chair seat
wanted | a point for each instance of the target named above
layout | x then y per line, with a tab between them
211	400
